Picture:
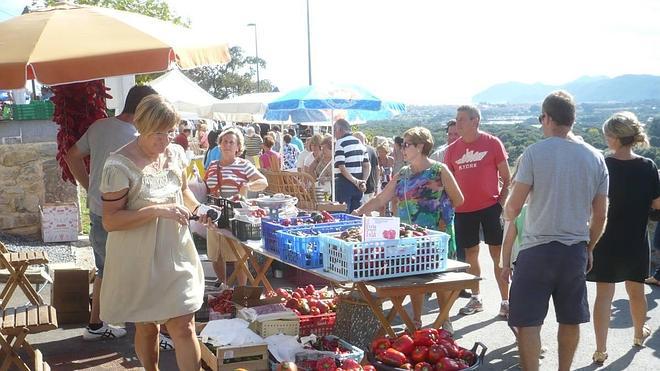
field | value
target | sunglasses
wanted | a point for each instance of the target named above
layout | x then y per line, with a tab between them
541	117
408	144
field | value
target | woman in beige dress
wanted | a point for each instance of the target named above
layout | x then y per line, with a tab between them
153	274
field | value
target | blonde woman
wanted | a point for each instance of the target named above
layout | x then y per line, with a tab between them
202	136
153	275
622	253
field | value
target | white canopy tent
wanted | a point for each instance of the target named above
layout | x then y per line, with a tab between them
185	94
244	108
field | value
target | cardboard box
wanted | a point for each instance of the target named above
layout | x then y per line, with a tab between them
70	295
59	222
250	296
228	358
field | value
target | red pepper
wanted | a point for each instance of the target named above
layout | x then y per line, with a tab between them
467	355
393	357
425	337
404	344
447	364
423	366
351	365
368	368
436	352
420	354
380	345
326	364
452	348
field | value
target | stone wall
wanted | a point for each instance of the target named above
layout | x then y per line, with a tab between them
29	177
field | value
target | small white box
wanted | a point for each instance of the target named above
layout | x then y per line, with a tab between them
59	222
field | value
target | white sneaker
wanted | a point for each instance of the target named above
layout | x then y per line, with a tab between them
106	332
165	342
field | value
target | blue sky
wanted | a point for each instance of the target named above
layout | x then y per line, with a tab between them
422	52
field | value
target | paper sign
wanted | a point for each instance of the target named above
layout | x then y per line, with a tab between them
380	228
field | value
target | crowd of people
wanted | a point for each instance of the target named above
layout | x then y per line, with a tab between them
567	215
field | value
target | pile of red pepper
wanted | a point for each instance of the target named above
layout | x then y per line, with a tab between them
77	106
427	350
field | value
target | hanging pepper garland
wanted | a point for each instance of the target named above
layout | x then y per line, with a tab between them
77	106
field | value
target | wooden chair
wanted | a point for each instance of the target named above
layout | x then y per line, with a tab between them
299	185
15	325
17	264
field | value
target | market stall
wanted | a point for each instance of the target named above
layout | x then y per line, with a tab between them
378	260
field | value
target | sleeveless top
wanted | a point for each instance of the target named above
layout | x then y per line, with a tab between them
423	201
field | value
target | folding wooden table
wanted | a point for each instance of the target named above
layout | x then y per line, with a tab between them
446	285
15	325
17	264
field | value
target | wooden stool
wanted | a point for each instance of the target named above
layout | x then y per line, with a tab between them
15	325
17	264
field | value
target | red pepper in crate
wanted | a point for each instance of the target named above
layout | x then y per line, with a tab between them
448	364
380	345
351	365
423	366
427	337
404	344
420	354
368	368
393	357
326	364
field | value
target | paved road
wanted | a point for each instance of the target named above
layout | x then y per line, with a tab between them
491	330
64	349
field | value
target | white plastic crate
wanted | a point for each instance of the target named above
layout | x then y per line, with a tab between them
374	260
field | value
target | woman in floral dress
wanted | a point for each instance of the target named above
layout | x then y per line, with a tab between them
426	191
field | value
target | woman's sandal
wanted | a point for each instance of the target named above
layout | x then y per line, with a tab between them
652	281
646	332
599	357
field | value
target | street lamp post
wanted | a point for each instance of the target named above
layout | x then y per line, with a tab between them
309	48
256	54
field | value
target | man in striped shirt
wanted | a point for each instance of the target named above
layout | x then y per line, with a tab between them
352	166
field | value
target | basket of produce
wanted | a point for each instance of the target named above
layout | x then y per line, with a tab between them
421	251
315	309
302	247
328	347
269	226
427	349
220	306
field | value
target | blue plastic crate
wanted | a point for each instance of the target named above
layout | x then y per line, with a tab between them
374	260
305	251
268	228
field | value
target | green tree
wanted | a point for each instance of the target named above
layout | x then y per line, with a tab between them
152	8
234	78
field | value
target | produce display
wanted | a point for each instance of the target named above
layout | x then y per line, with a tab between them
222	304
308	300
315	217
426	350
405	230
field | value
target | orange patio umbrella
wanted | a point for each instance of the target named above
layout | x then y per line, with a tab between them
73	43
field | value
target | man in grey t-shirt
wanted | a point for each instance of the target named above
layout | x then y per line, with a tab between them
101	138
566	181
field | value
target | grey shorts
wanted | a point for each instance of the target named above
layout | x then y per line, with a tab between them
98	237
549	270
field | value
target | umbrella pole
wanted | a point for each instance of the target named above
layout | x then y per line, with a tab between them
332	183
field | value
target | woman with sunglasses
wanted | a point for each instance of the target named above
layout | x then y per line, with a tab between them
153	275
426	192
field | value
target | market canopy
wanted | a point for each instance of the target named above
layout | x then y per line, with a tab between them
244	108
73	43
182	92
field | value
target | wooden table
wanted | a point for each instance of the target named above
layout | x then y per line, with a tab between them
17	264
446	285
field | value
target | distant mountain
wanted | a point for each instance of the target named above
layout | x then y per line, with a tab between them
625	88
